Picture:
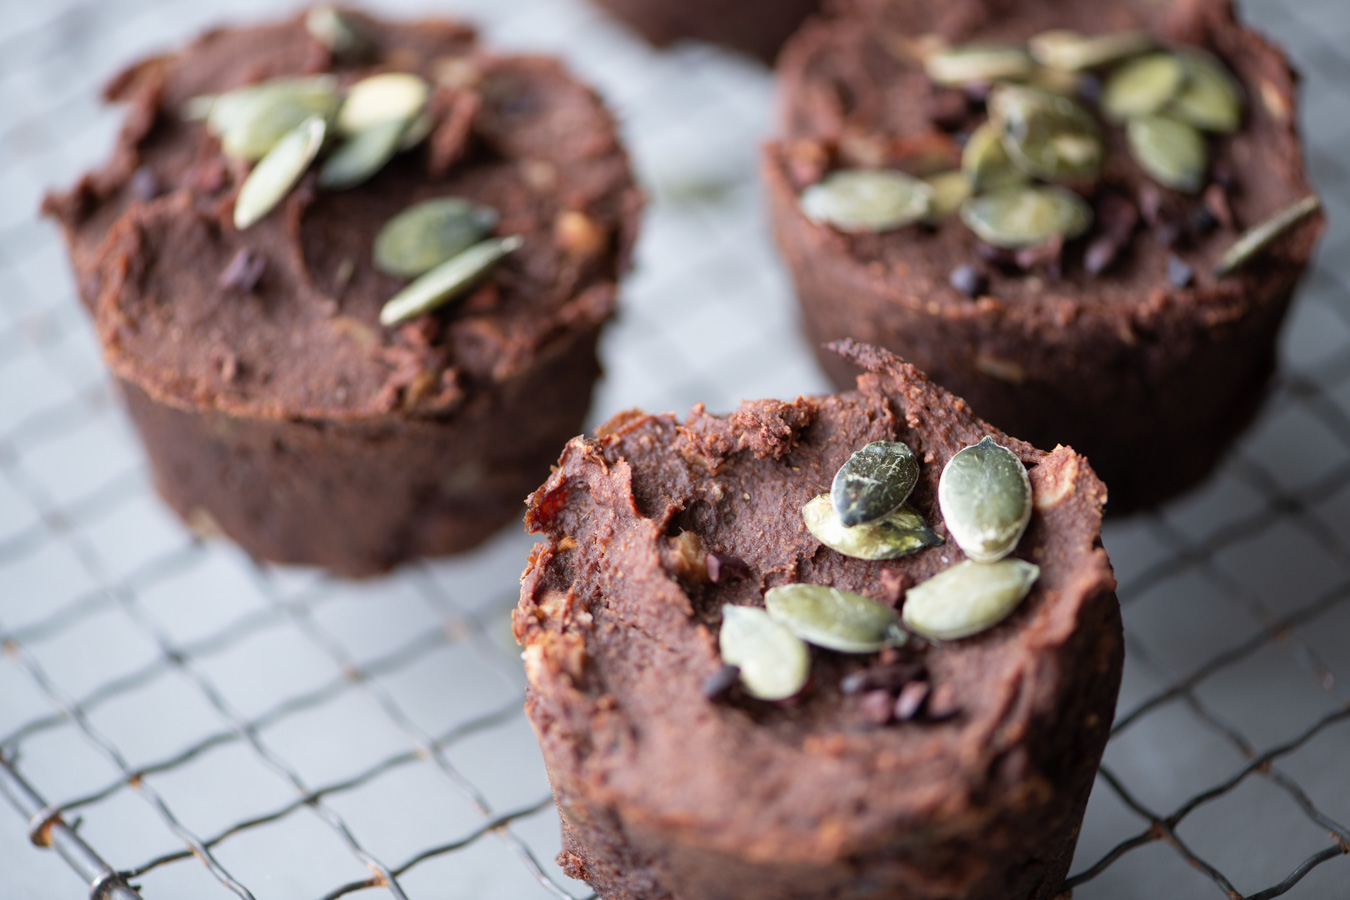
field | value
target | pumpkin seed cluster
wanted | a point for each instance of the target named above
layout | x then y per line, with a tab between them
1021	168
985	497
285	125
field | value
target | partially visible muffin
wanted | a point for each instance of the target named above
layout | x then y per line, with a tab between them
279	400
756	27
953	768
1153	135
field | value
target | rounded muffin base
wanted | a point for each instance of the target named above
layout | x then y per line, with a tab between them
1028	831
360	497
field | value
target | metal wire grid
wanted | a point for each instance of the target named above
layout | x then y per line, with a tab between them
228	728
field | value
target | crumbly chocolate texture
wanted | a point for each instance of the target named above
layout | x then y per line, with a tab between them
756	27
667	793
272	401
1150	379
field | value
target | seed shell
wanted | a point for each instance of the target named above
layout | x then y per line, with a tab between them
427	234
277	172
251	121
1142	86
985	497
896	534
986	162
359	157
866	200
874	481
1212	97
1046	135
834	619
448	280
978	62
1070	51
1019	217
1172	152
1255	240
968	598
948	190
774	662
380	98
340	34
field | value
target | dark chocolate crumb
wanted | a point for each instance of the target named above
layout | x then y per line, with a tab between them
721	566
1203	221
244	271
719	684
144	184
1168	233
968	280
948	108
911	699
1048	256
1004	260
1090	88
1101	253
1180	274
889	678
1224	177
877	707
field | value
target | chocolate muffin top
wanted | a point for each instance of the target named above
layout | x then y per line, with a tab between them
650	528
855	92
281	319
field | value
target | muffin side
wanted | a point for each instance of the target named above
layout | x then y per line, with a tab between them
665	792
261	350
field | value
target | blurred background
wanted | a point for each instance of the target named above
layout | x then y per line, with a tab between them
221	728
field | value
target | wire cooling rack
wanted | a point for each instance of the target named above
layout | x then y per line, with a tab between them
178	721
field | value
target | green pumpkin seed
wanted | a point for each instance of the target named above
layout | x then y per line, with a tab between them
1142	86
774	662
277	172
417	131
1069	51
834	619
389	96
1212	97
1055	81
340	34
1255	240
968	598
986	162
448	280
251	121
898	533
198	109
1026	216
874	481
1172	152
426	234
866	200
978	62
947	190
1046	135
985	497
359	157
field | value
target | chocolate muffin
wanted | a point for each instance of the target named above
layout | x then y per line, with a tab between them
1086	219
756	27
952	767
350	275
